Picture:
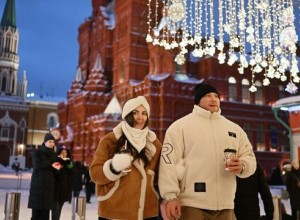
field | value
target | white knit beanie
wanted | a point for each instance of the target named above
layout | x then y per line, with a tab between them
132	104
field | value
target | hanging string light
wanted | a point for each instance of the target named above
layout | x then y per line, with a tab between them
262	31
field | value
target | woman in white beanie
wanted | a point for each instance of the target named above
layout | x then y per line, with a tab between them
124	164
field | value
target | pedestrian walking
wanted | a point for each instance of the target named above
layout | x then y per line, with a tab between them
42	186
246	202
293	187
124	164
77	178
196	145
63	182
89	184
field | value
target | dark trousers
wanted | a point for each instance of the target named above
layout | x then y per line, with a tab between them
295	214
38	214
56	211
76	193
154	218
88	193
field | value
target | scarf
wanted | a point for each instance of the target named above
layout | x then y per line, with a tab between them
137	137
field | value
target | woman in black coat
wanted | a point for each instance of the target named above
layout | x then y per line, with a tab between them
63	182
246	202
41	194
292	179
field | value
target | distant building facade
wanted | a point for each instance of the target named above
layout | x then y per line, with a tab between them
23	122
115	63
13	108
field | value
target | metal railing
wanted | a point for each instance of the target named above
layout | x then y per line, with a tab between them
78	207
12	206
277	208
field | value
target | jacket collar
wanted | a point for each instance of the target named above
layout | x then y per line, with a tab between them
206	114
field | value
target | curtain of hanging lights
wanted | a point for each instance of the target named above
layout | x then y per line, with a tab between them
263	32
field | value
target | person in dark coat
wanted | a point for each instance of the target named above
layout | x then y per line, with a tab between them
77	178
89	185
41	194
246	202
276	178
293	187
63	182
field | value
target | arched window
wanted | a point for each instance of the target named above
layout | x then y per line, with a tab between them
232	89
52	120
247	129
260	141
245	91
258	93
3	86
281	91
13	85
4	135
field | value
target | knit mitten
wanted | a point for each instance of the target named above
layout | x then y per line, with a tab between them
121	162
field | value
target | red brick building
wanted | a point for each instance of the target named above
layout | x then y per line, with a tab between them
115	61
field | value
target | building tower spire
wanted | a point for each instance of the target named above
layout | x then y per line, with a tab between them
9	15
9	59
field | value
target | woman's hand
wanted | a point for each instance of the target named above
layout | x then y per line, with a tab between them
56	165
121	162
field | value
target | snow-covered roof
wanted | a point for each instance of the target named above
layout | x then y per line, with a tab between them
186	79
289	103
134	82
113	107
46	99
177	77
98	64
158	77
11	99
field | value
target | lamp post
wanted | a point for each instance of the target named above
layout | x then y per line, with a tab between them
21	147
290	135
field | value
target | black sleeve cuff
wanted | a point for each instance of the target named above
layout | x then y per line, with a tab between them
113	170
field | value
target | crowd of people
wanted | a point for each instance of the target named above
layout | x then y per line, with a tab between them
55	180
188	176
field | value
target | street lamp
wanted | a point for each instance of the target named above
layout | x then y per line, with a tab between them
21	146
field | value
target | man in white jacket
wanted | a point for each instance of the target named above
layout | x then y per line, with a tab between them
194	180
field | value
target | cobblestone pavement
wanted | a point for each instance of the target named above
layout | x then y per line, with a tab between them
10	183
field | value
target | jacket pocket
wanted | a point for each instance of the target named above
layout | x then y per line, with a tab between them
106	194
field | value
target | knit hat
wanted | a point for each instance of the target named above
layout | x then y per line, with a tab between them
131	104
60	149
201	90
48	137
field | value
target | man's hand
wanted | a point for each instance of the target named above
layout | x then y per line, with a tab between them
163	213
173	209
234	165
